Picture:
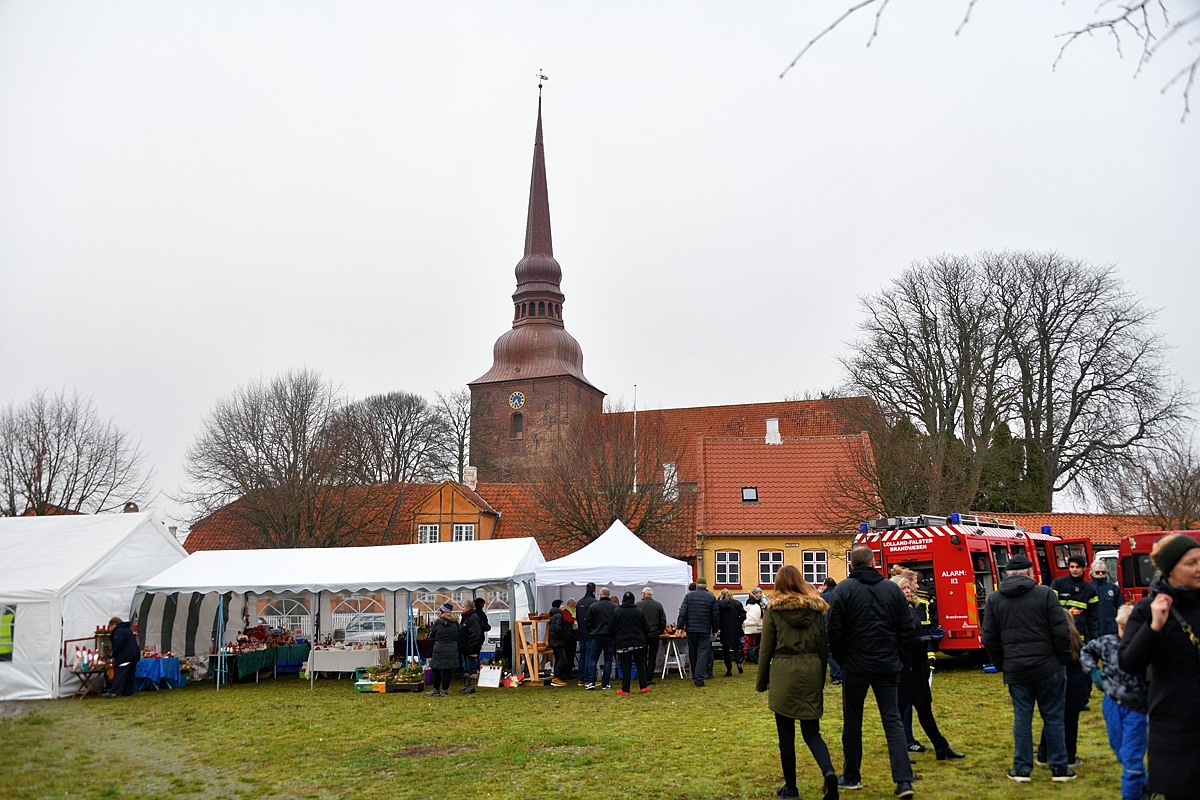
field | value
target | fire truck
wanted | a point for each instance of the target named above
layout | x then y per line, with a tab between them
1136	568
961	560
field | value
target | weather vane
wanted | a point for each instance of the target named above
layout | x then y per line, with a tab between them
541	78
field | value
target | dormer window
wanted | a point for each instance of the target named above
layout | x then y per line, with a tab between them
749	494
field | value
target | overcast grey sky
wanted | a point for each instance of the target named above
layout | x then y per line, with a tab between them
195	194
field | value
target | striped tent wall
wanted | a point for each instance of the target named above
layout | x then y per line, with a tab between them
185	623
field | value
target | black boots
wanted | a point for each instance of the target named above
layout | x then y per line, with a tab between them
949	752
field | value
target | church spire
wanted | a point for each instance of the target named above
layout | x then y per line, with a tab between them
537	225
538	297
538	344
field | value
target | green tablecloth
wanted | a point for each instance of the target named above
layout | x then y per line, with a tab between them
251	662
292	652
255	660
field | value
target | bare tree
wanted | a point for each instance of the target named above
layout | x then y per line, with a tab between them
56	453
273	455
394	438
1150	24
960	347
608	474
1094	382
1163	486
455	410
892	471
931	354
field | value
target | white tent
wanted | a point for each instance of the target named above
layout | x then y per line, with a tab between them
62	576
621	561
180	606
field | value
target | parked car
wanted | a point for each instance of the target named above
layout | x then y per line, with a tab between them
366	628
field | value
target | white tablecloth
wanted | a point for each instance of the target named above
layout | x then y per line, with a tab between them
343	660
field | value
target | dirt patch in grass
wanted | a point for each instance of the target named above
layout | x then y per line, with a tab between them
434	750
10	708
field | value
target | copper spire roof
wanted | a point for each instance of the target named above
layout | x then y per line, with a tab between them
538	346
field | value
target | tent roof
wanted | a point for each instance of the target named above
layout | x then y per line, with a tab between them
41	556
450	565
617	557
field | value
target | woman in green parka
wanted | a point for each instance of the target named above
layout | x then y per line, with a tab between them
791	666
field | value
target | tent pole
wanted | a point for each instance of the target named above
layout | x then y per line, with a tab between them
219	641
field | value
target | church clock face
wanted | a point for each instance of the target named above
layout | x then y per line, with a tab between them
516	400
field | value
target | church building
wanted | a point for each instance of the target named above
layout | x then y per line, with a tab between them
535	396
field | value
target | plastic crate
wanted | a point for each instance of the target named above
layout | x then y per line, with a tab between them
360	673
363	687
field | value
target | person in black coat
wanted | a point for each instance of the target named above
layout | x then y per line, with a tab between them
700	619
731	614
1162	640
914	691
870	625
126	653
1079	689
558	636
1078	597
1109	595
473	628
583	639
599	627
630	630
1026	633
444	633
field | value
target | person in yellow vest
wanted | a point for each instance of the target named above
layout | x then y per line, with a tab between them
6	633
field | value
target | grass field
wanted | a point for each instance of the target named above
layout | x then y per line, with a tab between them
278	740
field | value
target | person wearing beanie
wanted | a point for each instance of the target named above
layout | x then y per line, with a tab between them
1162	640
444	660
1078	596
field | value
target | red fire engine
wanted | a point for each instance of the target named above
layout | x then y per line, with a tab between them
961	559
1136	568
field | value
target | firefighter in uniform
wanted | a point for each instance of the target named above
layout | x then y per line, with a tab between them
1079	598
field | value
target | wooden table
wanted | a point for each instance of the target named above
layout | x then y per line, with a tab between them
89	681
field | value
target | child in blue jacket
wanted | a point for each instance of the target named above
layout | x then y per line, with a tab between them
1124	706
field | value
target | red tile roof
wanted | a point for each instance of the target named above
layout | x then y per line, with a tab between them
794	480
51	511
228	528
797	419
1103	529
517	504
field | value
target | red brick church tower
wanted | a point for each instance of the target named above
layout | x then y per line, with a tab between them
535	397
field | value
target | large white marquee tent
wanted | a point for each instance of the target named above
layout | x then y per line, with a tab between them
62	576
186	606
621	561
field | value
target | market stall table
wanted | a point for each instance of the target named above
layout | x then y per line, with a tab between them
671	655
90	681
280	658
152	673
334	660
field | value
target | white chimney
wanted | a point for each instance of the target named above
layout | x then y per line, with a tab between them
471	477
773	436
